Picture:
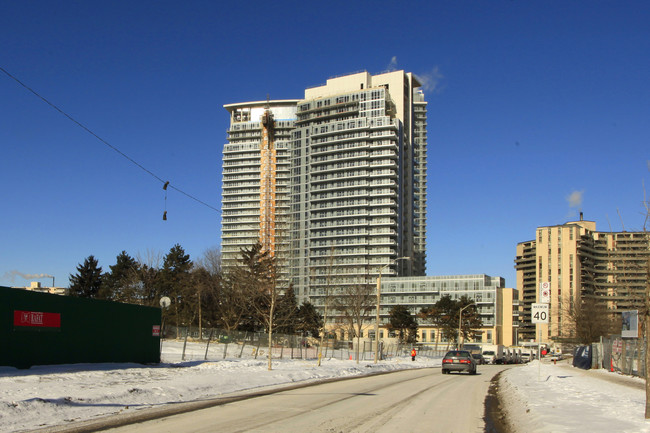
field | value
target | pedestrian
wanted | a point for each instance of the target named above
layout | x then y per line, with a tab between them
413	353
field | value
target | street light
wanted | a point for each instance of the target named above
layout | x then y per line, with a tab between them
460	321
378	302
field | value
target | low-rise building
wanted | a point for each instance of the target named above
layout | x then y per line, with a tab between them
36	286
497	305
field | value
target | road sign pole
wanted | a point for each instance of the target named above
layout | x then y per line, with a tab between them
539	355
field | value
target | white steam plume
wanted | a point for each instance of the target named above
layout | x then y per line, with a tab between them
431	80
11	276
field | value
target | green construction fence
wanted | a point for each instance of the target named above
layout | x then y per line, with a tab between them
44	329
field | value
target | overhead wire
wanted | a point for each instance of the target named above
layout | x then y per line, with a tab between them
165	183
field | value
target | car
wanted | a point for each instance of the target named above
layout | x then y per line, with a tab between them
489	356
458	360
479	359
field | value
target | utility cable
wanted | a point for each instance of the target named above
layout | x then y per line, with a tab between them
82	126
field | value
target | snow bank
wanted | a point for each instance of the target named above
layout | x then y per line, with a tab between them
560	398
53	395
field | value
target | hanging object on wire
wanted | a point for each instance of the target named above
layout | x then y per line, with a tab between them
165	189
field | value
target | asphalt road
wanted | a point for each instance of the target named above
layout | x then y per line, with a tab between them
404	401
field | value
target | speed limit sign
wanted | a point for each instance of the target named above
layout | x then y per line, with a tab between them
539	313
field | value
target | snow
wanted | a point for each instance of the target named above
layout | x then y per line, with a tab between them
539	397
547	397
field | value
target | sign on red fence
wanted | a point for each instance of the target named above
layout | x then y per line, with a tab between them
617	346
37	319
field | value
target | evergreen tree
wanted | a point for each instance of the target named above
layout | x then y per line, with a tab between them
208	296
174	282
402	322
309	320
256	276
254	280
87	282
148	280
120	283
286	317
471	320
445	315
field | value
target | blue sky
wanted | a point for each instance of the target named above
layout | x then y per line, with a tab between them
537	110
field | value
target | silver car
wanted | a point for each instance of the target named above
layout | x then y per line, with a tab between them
458	360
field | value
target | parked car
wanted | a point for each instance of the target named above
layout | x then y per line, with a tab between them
479	359
489	356
458	360
493	352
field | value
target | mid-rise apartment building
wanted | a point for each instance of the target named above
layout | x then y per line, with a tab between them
497	305
578	262
338	177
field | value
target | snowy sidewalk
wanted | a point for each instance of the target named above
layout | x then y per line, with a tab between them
561	398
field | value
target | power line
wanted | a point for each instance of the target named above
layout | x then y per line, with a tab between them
88	130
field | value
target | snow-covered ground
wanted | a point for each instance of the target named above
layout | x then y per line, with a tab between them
549	398
560	398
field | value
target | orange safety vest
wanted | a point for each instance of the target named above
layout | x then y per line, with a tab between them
413	353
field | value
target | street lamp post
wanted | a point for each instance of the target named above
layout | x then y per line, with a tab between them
460	321
378	302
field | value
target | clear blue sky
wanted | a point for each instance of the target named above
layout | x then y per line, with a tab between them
530	103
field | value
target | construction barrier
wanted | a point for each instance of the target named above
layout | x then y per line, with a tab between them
43	329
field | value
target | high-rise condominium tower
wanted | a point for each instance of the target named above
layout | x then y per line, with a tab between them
575	262
358	183
255	184
350	181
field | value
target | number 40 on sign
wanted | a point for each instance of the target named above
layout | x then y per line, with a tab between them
539	313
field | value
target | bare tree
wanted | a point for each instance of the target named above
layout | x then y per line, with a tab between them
646	315
326	305
151	258
210	261
232	304
355	303
590	320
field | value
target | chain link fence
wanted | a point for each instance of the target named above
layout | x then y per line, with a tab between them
190	344
625	355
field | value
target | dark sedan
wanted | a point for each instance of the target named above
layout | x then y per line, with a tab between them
458	360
